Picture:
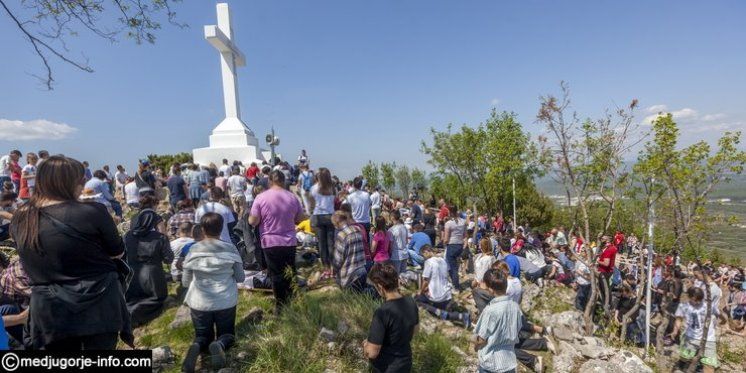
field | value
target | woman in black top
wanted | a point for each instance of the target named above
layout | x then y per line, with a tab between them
68	249
147	250
389	343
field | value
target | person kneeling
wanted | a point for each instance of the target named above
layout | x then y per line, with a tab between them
435	293
210	272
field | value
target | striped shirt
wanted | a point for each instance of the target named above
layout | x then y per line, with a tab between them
349	255
499	324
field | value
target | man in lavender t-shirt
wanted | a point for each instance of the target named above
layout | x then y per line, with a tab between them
276	211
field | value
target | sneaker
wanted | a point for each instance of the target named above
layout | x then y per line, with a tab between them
539	366
218	355
190	359
540	282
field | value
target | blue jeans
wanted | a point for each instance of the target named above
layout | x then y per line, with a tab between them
416	257
117	207
400	265
581	298
453	253
14	331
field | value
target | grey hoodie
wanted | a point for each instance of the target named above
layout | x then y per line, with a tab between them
211	270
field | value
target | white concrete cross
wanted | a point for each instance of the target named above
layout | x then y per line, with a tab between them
221	37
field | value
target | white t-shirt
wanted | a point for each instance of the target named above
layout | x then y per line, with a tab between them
237	185
482	263
360	203
5	166
217	208
121	178
176	246
30	170
225	169
581	268
436	271
132	193
514	290
694	320
324	204
375	200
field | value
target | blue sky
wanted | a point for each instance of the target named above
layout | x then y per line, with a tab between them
356	80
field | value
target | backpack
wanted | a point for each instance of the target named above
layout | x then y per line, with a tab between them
307	181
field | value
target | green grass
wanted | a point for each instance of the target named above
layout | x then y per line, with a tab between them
290	342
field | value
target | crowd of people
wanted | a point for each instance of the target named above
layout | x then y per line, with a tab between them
77	283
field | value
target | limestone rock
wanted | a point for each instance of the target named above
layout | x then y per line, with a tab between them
564	333
530	292
572	320
593	348
183	317
162	356
564	360
629	362
327	335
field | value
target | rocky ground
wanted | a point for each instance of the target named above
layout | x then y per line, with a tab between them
324	329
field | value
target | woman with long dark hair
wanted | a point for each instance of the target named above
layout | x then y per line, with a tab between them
321	199
68	249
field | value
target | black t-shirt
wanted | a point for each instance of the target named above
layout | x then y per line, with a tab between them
393	328
66	258
175	186
626	304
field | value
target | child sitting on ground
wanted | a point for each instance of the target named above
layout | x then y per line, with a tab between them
211	271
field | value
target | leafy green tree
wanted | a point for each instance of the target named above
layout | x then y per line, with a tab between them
165	161
683	179
370	173
483	161
403	180
387	176
419	179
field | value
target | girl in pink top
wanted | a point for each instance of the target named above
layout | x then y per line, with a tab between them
381	241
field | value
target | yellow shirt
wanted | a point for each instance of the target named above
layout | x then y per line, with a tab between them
304	226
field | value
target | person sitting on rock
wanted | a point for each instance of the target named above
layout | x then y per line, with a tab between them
435	292
389	342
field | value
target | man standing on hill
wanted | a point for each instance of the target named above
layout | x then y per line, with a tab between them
305	183
375	200
606	263
360	204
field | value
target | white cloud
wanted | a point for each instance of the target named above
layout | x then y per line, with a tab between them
38	129
655	109
494	102
713	117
